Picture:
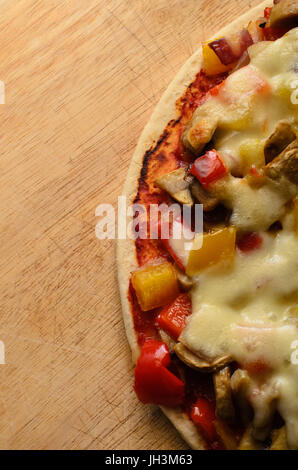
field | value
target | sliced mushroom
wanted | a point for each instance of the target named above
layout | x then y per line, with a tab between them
278	141
248	442
223	393
199	132
185	282
240	383
285	165
226	435
170	342
202	196
176	185
196	362
279	439
284	14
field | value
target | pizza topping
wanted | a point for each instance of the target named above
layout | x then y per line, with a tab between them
250	242
284	14
279	439
256	205
224	403
285	165
203	415
240	382
251	155
202	196
267	12
172	319
154	383
212	63
185	282
248	442
230	53
197	136
245	312
155	285
255	177
186	189
226	434
255	31
167	339
177	239
258	367
215	248
229	50
176	184
208	168
232	109
199	361
271	34
282	136
248	103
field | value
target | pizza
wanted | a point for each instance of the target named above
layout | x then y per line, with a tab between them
211	315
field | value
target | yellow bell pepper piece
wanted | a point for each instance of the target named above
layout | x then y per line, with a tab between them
217	247
212	64
251	153
155	285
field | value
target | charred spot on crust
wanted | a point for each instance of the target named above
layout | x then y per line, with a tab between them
148	154
160	157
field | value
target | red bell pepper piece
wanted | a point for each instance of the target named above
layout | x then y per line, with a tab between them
272	33
216	89
172	319
154	383
176	246
230	49
258	367
208	168
267	12
255	172
203	415
250	242
223	50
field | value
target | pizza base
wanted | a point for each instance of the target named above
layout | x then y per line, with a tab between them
126	260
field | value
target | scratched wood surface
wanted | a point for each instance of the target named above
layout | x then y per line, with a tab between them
82	78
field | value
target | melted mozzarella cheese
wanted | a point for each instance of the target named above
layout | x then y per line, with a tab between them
254	208
250	311
275	63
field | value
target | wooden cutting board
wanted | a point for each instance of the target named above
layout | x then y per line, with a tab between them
82	78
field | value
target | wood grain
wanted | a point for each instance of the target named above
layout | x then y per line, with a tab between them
82	78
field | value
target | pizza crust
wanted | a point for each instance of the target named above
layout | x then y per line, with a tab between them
126	260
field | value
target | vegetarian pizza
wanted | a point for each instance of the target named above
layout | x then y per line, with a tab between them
212	315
